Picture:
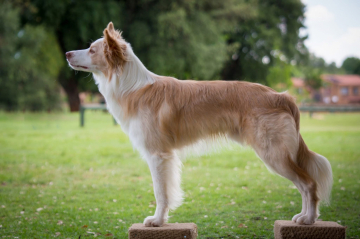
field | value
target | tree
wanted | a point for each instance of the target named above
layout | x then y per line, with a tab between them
351	65
179	38
313	65
74	24
279	75
274	31
29	62
313	78
8	30
182	38
203	39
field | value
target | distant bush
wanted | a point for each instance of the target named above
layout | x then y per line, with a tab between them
30	62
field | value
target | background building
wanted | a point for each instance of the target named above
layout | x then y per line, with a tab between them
341	89
336	89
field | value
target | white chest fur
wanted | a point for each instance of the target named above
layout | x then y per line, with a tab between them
108	90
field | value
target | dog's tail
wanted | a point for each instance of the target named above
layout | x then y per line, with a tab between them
318	168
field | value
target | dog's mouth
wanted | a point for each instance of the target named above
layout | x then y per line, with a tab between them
77	66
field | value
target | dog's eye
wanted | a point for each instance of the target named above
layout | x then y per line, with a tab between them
92	51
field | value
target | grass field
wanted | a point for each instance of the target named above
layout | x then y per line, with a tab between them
60	180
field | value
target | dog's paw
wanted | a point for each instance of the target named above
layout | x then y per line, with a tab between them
153	221
306	220
296	217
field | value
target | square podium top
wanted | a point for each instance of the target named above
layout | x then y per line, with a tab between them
320	229
167	231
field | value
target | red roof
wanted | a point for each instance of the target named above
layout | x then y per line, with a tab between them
343	80
297	82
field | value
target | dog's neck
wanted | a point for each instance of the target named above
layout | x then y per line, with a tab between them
132	77
134	74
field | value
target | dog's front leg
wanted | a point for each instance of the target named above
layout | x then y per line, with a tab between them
165	171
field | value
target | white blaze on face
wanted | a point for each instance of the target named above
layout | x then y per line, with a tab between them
81	60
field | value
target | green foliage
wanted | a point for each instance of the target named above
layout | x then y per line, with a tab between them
314	66
31	60
75	25
40	62
320	64
279	76
188	58
74	174
184	39
313	79
198	39
8	30
351	65
333	69
274	29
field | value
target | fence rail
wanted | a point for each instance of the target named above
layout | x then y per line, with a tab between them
325	108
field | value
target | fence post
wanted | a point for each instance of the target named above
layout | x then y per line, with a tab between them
82	111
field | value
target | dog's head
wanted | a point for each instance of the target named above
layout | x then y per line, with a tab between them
106	55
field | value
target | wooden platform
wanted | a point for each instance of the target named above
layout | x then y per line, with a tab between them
320	229
168	231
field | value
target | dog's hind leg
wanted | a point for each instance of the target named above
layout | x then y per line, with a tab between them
276	141
310	213
283	165
165	170
304	201
279	160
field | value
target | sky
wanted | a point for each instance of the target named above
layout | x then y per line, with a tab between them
333	27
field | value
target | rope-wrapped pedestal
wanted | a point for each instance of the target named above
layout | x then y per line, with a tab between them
169	230
320	229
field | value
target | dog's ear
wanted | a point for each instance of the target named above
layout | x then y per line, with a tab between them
113	32
114	50
110	27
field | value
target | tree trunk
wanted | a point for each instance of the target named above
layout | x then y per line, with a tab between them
231	70
68	81
72	93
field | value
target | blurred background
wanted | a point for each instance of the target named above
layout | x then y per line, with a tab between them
307	47
61	180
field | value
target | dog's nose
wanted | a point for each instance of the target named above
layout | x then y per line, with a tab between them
69	54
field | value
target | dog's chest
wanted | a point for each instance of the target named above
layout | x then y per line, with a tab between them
114	107
117	112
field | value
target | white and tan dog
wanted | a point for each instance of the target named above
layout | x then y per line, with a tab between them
162	115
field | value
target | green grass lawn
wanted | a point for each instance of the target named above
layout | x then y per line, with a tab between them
60	180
